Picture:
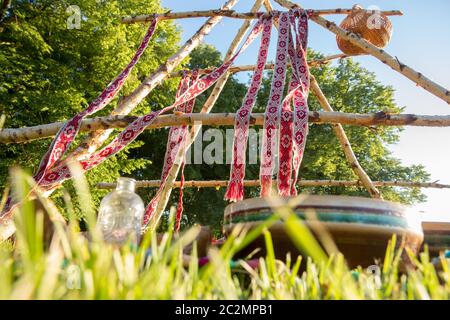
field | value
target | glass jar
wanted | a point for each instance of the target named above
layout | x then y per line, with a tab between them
120	214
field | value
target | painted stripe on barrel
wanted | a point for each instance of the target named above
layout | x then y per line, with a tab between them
325	208
347	217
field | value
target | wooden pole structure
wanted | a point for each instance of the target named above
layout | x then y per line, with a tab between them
210	102
300	183
268	6
28	134
96	139
234	14
342	137
378	53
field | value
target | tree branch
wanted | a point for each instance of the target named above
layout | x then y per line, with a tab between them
234	14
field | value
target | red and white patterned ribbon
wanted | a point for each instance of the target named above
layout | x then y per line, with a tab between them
272	114
70	129
176	139
291	154
235	190
151	208
68	132
301	95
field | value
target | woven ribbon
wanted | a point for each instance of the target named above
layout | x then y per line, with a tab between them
68	132
175	141
293	135
272	113
292	126
235	190
70	129
210	79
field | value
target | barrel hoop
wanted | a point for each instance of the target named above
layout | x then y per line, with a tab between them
347	217
325	207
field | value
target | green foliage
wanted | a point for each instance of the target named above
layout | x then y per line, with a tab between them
73	267
50	72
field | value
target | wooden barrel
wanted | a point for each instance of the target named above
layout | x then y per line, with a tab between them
374	27
436	236
360	227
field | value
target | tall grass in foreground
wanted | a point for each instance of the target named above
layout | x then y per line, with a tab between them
71	267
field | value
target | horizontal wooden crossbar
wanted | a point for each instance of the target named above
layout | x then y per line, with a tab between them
27	134
237	15
301	183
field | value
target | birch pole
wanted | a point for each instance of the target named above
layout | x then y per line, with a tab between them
380	54
342	137
220	84
372	120
235	15
300	183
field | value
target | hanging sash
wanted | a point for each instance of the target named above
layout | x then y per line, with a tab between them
293	133
61	172
301	95
175	141
70	129
235	190
273	108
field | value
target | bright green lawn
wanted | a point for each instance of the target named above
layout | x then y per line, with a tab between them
73	268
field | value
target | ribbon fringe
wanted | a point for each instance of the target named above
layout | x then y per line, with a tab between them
266	186
235	191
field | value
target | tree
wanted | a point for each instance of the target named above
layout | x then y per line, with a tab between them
57	56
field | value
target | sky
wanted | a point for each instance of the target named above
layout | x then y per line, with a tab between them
420	40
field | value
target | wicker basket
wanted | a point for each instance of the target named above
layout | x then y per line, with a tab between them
373	27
